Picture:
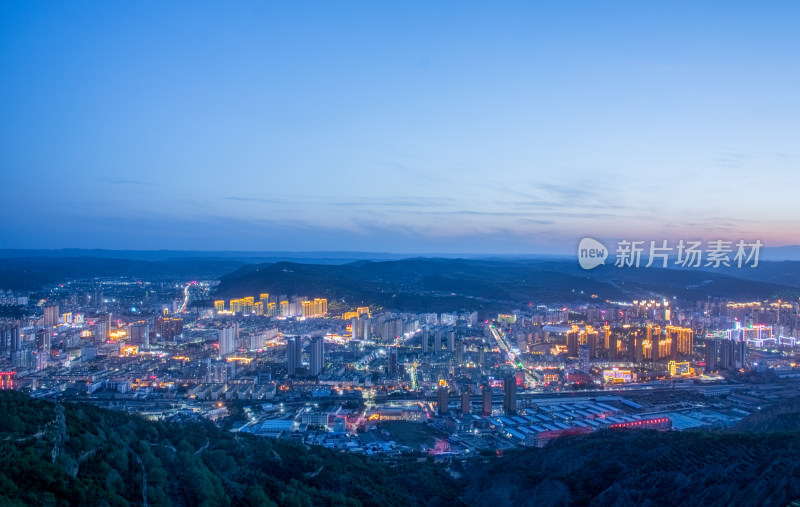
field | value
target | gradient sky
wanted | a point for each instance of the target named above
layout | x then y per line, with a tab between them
397	126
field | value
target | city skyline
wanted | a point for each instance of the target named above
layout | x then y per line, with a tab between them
414	128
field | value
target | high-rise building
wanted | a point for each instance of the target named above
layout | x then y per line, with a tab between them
442	400
317	361
451	341
510	394
741	353
43	341
466	407
727	354
486	394
638	346
392	362
294	354
437	341
50	315
681	340
460	349
613	344
584	358
227	341
168	329
425	338
102	328
711	354
139	334
219	305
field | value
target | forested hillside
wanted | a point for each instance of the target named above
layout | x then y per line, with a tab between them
76	454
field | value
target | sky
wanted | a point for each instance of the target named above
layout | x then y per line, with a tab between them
475	127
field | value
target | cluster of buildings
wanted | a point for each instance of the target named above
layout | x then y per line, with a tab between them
163	348
274	306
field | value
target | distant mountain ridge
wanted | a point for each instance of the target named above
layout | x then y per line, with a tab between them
420	283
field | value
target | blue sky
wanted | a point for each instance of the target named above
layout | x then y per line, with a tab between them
406	127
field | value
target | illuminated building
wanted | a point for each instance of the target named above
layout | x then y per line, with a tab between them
258	308
617	376
681	339
510	394
272	310
682	368
219	305
577	337
506	318
363	310
755	336
284	308
660	424
486	394
320	306
264	298
317	361
7	380
573	341
129	350
246	305
591	339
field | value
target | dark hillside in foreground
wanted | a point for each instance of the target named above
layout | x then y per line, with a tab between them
76	454
613	468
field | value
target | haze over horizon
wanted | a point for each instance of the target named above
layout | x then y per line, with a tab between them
449	127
